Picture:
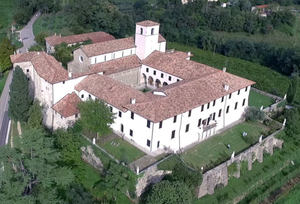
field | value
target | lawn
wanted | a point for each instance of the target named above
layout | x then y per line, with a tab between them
2	81
6	16
120	149
51	24
256	99
213	151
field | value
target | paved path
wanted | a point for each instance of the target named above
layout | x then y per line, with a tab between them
27	34
4	120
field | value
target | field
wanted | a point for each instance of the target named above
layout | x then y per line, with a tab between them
258	100
266	79
6	16
214	150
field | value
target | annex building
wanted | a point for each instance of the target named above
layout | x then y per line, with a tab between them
187	101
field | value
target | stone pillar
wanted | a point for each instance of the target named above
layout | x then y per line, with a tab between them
270	146
238	172
249	159
260	154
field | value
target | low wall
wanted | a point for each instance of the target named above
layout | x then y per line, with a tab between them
219	174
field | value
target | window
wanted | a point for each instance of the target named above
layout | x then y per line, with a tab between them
199	122
90	96
63	82
170	78
187	127
230	96
220	112
82	95
244	101
190	113
132	115
122	128
236	104
76	115
111	109
160	124
120	114
246	89
147	69
173	134
208	105
175	119
104	58
162	75
158	144
148	143
81	59
202	108
27	70
178	80
61	117
154	72
239	92
131	133
214	116
222	99
152	31
148	123
142	31
227	109
214	103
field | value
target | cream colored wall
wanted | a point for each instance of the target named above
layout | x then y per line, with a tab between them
129	77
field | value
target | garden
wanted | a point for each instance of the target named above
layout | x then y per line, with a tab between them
257	100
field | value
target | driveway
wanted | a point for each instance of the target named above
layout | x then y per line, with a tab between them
27	34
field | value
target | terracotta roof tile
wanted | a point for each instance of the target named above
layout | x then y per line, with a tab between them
147	23
177	64
161	38
67	106
45	65
96	37
111	91
108	46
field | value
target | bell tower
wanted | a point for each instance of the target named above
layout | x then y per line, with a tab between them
146	38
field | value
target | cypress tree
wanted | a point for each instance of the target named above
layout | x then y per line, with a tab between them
6	49
292	91
20	101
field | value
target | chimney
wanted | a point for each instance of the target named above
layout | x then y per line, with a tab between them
133	101
55	34
38	53
60	35
189	53
70	74
226	87
224	69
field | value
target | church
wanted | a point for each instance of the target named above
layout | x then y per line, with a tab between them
161	98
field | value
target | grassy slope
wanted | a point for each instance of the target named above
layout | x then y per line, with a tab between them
6	16
266	79
258	100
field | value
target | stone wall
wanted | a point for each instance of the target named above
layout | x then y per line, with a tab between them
219	174
89	157
151	176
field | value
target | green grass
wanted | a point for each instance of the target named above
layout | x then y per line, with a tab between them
213	151
293	196
266	79
51	24
124	152
6	16
256	99
2	81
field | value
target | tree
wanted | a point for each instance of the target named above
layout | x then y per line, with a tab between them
96	116
20	100
6	49
31	173
63	54
169	192
35	116
40	39
254	114
292	91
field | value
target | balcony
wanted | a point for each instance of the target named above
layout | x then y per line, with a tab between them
210	126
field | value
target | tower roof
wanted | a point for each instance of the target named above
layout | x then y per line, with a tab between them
147	23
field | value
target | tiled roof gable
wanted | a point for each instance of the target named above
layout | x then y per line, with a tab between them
67	106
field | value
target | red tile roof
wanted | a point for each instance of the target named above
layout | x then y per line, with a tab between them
147	23
161	38
96	37
110	91
45	65
67	106
262	6
177	64
108	46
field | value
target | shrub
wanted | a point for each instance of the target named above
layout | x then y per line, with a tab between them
232	169
254	114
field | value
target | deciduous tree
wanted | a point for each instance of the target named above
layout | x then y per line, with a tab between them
35	116
6	49
96	116
20	100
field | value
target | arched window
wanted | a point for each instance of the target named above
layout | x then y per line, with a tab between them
152	31
141	31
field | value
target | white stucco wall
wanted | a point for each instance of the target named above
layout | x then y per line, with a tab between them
113	55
